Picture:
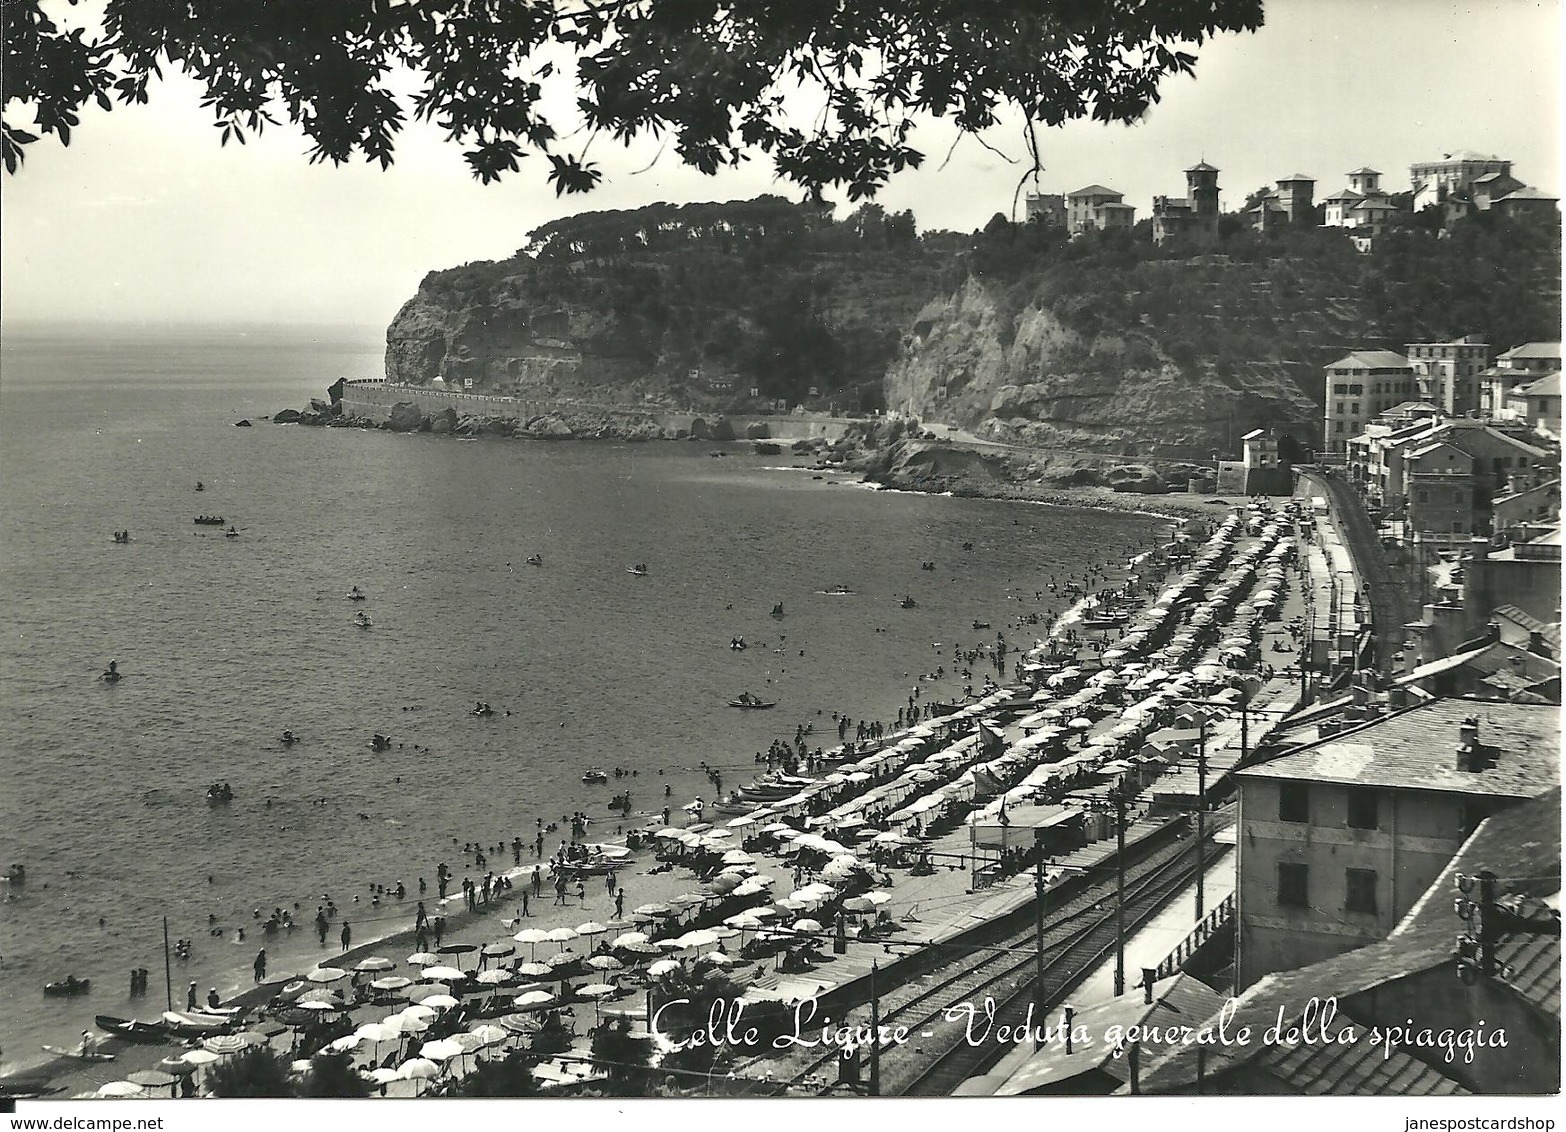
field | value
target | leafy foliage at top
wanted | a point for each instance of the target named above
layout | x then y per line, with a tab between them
710	76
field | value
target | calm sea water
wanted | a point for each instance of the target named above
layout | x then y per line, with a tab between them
225	642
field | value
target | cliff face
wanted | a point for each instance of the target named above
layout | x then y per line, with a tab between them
1105	345
1028	378
498	343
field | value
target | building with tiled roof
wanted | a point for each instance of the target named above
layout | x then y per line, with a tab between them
1359	386
1452	175
1339	838
1450	373
1409	980
1527	203
1097	207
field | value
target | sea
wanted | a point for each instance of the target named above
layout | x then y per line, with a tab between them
225	642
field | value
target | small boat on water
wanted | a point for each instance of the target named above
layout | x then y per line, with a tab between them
131	1030
356	594
209	520
535	559
231	533
192	1024
836	591
908	603
751	703
777	611
219	794
61	1051
288	739
640	570
595	776
200	486
362	619
68	987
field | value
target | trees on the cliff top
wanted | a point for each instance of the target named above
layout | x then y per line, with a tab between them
716	78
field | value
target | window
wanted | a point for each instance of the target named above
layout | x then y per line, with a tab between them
1340	426
1338	412
1359	890
1424	497
1457	527
1293	801
1362	806
1356	389
1293	885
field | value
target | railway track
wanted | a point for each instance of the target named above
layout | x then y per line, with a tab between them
1079	932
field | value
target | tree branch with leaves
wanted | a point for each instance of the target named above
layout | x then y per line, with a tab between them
721	78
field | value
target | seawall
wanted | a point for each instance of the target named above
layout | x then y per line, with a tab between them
373	400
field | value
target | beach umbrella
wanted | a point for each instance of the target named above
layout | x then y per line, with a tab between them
420	993
717	834
628	938
441	974
200	1057
653	910
532	999
663	967
440	1001
442	1049
778	827
531	935
687	899
494	978
858	905
738	857
591	928
498	950
378	1032
487	1035
406	1023
419	1069
807	925
120	1089
345	1043
744	921
374	963
715	959
642	948
420	1010
560	935
670	945
561	959
422	958
469	1042
534	970
726	882
742	822
456	949
320	994
225	1044
1081	723
321	1007
153	1079
604	963
326	975
517	1023
702	937
595	990
177	1066
380	1076
390	983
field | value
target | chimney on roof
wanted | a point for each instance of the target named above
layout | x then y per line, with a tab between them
1536	643
1397	697
1148	976
1468	753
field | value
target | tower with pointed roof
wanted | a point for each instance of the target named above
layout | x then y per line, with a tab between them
1201	189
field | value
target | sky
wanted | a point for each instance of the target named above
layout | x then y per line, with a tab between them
145	218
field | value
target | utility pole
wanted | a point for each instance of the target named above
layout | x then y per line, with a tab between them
875	1034
1201	813
168	975
1120	892
1038	935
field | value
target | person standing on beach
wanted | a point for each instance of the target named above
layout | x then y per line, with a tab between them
190	997
619	903
347	934
524	902
260	965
